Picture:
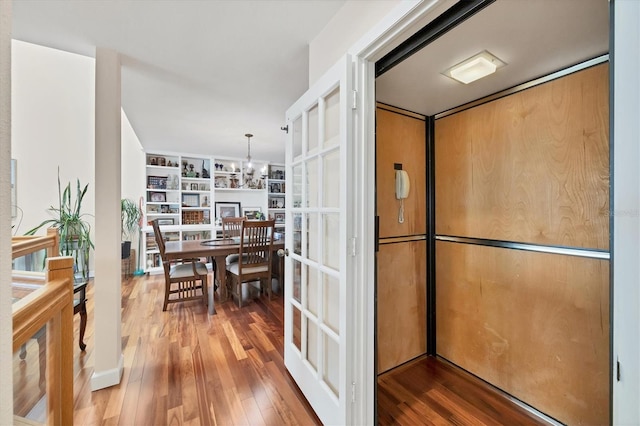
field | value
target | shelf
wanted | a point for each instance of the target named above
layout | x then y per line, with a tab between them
180	190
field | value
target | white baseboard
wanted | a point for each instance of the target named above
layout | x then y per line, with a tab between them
105	379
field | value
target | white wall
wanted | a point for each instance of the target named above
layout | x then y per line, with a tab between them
52	126
53	120
133	172
351	22
6	353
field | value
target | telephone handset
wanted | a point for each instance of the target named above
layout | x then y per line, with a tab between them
402	191
402	184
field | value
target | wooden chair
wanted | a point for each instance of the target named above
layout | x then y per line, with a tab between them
256	247
232	228
181	280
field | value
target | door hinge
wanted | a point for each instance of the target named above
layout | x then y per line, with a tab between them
353	247
618	369
353	392
354	103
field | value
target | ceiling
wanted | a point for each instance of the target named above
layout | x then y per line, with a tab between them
534	38
197	75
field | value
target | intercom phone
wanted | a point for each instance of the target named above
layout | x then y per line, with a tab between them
402	191
402	184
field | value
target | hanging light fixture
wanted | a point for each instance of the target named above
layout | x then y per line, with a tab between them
249	165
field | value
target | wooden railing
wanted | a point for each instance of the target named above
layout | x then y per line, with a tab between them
50	305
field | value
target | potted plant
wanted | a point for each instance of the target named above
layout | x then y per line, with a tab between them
130	214
74	230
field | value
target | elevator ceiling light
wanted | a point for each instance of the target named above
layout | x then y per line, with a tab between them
474	68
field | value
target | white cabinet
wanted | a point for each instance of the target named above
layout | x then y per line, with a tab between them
276	193
178	194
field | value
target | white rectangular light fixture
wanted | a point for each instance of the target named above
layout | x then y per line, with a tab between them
474	68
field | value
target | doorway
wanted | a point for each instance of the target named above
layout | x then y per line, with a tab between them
453	243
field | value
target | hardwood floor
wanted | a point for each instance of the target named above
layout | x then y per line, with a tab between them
184	367
430	391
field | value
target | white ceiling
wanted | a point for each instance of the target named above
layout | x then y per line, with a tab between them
534	38
196	75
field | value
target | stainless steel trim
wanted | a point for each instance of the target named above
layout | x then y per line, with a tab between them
568	251
527	85
400	111
408	238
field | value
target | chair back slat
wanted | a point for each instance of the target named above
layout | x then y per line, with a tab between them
256	244
232	226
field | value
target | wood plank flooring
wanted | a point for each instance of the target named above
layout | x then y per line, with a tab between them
184	367
430	391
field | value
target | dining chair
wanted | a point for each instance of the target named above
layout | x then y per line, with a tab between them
256	250
232	228
181	279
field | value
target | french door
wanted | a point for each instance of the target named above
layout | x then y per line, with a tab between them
318	264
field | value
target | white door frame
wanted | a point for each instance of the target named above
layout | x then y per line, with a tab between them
403	21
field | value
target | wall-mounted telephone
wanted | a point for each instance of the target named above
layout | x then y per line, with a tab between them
402	191
402	184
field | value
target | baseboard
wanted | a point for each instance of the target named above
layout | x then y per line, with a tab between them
105	379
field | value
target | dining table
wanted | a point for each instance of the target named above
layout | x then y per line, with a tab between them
217	249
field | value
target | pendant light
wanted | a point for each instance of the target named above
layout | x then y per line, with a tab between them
249	165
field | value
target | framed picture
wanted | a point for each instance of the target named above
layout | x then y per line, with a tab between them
168	221
251	212
194	186
279	217
190	200
227	209
158	197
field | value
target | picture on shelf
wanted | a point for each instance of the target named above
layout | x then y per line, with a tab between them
279	217
190	200
276	188
194	186
158	197
252	213
227	209
165	221
157	182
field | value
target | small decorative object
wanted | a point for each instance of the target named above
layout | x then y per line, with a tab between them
169	163
252	213
205	202
234	181
184	168
205	172
279	217
153	161
191	172
172	182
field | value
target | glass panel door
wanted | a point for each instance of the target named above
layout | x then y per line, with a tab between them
316	318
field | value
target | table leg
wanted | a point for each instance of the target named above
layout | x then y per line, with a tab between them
221	272
83	325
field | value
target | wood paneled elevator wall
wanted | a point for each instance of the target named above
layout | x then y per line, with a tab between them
401	258
518	180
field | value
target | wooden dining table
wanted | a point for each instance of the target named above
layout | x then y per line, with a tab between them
217	249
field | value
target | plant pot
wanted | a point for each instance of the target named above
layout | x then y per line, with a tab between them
126	249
